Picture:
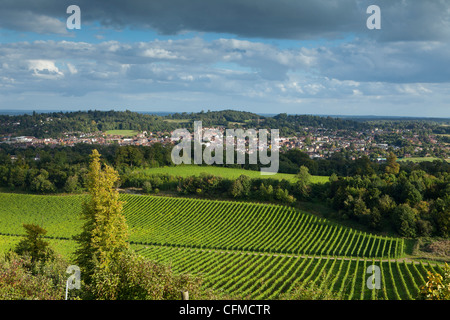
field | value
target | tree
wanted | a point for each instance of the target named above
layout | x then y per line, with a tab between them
33	244
392	166
410	194
266	193
236	189
441	212
333	178
303	180
303	175
283	196
71	184
375	219
241	187
405	220
109	268
386	205
104	234
360	209
17	176
147	187
363	166
41	183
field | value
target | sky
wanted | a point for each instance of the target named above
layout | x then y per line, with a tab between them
263	56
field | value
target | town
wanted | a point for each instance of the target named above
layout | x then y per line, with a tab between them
317	142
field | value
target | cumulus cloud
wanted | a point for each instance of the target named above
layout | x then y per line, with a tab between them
223	65
45	69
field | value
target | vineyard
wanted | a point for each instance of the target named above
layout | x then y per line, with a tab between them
267	276
59	215
246	226
194	223
248	250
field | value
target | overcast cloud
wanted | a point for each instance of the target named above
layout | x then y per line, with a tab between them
280	19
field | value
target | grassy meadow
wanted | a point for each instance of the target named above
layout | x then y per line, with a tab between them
124	133
422	159
228	173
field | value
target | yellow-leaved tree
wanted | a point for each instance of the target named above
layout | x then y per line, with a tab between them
104	235
437	286
392	166
110	269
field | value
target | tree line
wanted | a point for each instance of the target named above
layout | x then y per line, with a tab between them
62	169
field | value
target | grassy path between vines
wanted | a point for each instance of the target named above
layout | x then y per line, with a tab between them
407	259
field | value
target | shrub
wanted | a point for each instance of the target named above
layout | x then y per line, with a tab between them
134	278
437	286
33	244
45	281
147	187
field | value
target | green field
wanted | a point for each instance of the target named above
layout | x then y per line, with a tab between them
244	250
125	133
421	159
229	173
177	120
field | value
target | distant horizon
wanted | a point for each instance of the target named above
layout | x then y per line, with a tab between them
163	113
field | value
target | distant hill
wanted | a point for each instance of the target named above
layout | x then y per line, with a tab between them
54	123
